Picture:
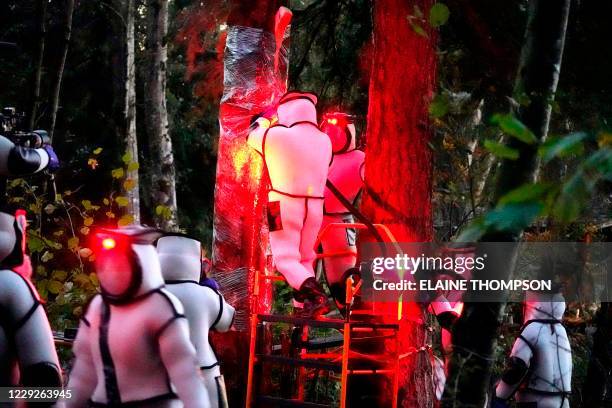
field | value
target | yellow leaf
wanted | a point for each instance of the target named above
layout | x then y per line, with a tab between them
97	151
94	279
117	173
110	214
93	163
73	242
122	201
84	230
85	252
86	205
159	210
126	158
125	220
41	270
133	166
106	201
88	221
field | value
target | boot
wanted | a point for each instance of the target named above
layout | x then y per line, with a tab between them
314	298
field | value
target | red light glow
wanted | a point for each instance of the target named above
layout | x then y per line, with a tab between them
108	243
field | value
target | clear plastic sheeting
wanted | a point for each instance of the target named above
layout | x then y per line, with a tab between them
251	85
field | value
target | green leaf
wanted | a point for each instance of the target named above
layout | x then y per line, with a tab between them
97	151
73	242
86	205
501	150
562	147
126	158
514	127
512	217
438	106
438	15
54	287
473	232
526	193
133	166
600	162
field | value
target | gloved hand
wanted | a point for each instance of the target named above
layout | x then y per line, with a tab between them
211	283
499	403
54	163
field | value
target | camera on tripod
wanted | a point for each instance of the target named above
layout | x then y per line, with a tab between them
12	127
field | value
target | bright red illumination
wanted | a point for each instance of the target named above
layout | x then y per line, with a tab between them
332	121
108	243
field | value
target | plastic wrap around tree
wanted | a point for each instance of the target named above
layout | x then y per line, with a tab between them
251	84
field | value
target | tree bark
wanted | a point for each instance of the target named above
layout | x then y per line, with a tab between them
162	167
69	4
475	333
41	14
399	164
240	234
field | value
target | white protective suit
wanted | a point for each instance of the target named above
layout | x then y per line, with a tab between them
17	160
346	174
297	156
540	367
27	352
132	347
205	308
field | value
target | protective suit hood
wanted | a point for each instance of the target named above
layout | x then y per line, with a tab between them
544	306
127	263
180	258
296	107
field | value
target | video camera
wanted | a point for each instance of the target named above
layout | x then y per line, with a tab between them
12	127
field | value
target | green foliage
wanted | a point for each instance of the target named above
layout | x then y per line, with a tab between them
438	107
514	127
438	15
501	150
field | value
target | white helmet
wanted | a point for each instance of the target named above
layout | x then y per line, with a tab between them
180	258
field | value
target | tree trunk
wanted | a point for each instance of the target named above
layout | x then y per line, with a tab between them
125	84
69	4
399	161
41	14
240	232
475	333
162	168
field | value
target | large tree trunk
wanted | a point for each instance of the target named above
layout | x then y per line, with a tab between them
41	15
125	84
475	333
162	169
69	5
240	232
399	161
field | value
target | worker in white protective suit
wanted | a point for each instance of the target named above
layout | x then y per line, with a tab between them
346	178
132	347
27	353
205	308
297	156
539	369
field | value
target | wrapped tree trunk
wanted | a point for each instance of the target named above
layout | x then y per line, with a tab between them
162	169
124	71
41	15
475	333
240	234
399	162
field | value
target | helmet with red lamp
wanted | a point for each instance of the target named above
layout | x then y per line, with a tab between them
127	263
340	128
12	237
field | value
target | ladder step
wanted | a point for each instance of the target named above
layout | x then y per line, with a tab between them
300	321
280	402
322	342
310	363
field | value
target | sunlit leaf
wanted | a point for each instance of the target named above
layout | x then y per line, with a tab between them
133	166
125	220
88	221
129	184
86	205
59	275
97	151
54	287
110	214
126	158
439	106
47	256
